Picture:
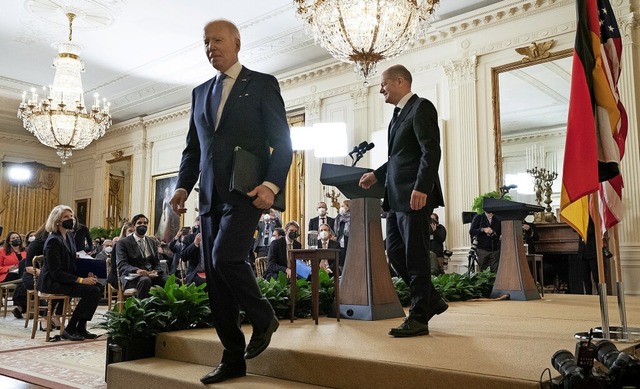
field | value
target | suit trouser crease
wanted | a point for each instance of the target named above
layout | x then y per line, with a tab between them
408	251
227	236
90	296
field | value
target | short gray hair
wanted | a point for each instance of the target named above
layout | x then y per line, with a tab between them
54	217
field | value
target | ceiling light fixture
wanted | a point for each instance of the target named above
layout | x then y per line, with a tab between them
59	118
364	32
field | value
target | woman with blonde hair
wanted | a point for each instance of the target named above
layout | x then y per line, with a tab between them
58	275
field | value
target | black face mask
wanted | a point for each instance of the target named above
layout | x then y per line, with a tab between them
16	242
67	224
293	235
141	230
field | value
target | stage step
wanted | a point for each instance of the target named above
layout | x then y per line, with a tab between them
165	373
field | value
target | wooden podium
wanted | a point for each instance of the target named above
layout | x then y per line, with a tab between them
514	277
366	290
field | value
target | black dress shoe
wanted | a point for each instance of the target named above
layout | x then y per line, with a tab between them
437	308
17	313
410	327
71	336
86	334
223	372
260	340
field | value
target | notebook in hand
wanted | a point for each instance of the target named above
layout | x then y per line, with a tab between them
247	173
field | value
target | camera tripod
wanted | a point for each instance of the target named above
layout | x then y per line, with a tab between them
472	265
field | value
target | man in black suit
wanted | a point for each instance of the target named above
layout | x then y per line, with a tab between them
314	223
277	257
137	259
412	191
237	108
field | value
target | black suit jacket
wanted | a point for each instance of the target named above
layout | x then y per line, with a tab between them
314	223
192	255
59	271
277	258
253	118
129	256
414	156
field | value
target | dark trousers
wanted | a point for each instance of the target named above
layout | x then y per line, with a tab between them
90	296
408	252
143	284
227	234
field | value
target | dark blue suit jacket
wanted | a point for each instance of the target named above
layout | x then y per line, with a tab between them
59	271
253	118
414	157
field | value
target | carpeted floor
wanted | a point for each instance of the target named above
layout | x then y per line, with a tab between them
61	364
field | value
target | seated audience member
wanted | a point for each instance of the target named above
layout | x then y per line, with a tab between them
341	227
486	229
28	238
195	265
326	240
112	275
10	256
277	257
26	271
137	259
314	223
437	237
278	233
265	228
97	247
58	275
82	238
176	245
14	253
107	249
530	236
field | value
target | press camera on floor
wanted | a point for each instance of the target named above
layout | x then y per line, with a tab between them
620	370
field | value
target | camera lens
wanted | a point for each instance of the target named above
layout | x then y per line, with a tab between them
606	353
564	362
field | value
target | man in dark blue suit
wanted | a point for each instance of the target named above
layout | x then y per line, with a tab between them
238	107
412	191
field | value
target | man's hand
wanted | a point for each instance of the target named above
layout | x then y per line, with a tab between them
197	240
288	273
367	180
142	272
418	200
263	197
177	201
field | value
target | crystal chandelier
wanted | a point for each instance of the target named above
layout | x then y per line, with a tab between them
364	32
59	118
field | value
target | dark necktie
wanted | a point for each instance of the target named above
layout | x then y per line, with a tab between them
141	244
396	111
216	97
323	222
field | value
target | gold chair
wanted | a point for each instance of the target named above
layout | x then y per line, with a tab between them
6	292
38	262
183	271
122	293
31	296
261	266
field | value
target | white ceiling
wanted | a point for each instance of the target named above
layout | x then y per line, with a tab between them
150	56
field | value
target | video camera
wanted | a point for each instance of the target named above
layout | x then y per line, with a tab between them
622	370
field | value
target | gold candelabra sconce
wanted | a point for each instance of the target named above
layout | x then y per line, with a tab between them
333	195
542	184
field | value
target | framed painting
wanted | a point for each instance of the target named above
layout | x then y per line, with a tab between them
163	220
83	211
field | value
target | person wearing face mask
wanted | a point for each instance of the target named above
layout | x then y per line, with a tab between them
326	240
28	238
277	257
58	275
10	256
322	217
267	224
342	226
107	250
137	259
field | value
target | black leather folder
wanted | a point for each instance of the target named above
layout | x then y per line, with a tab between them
249	172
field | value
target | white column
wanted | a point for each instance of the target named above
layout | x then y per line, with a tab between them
460	155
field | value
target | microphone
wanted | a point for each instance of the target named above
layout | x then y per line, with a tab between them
370	146
355	150
508	187
362	146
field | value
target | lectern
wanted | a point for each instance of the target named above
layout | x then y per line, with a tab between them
366	290
514	277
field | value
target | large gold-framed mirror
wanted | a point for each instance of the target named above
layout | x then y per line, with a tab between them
118	183
530	105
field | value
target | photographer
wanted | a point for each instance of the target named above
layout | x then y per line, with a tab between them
486	228
437	237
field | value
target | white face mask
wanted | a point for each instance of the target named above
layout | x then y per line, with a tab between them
324	235
108	249
322	211
32	238
267	218
342	211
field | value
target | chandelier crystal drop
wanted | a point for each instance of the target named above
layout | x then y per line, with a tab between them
364	32
59	117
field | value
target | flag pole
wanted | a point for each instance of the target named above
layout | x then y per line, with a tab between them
602	285
619	283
